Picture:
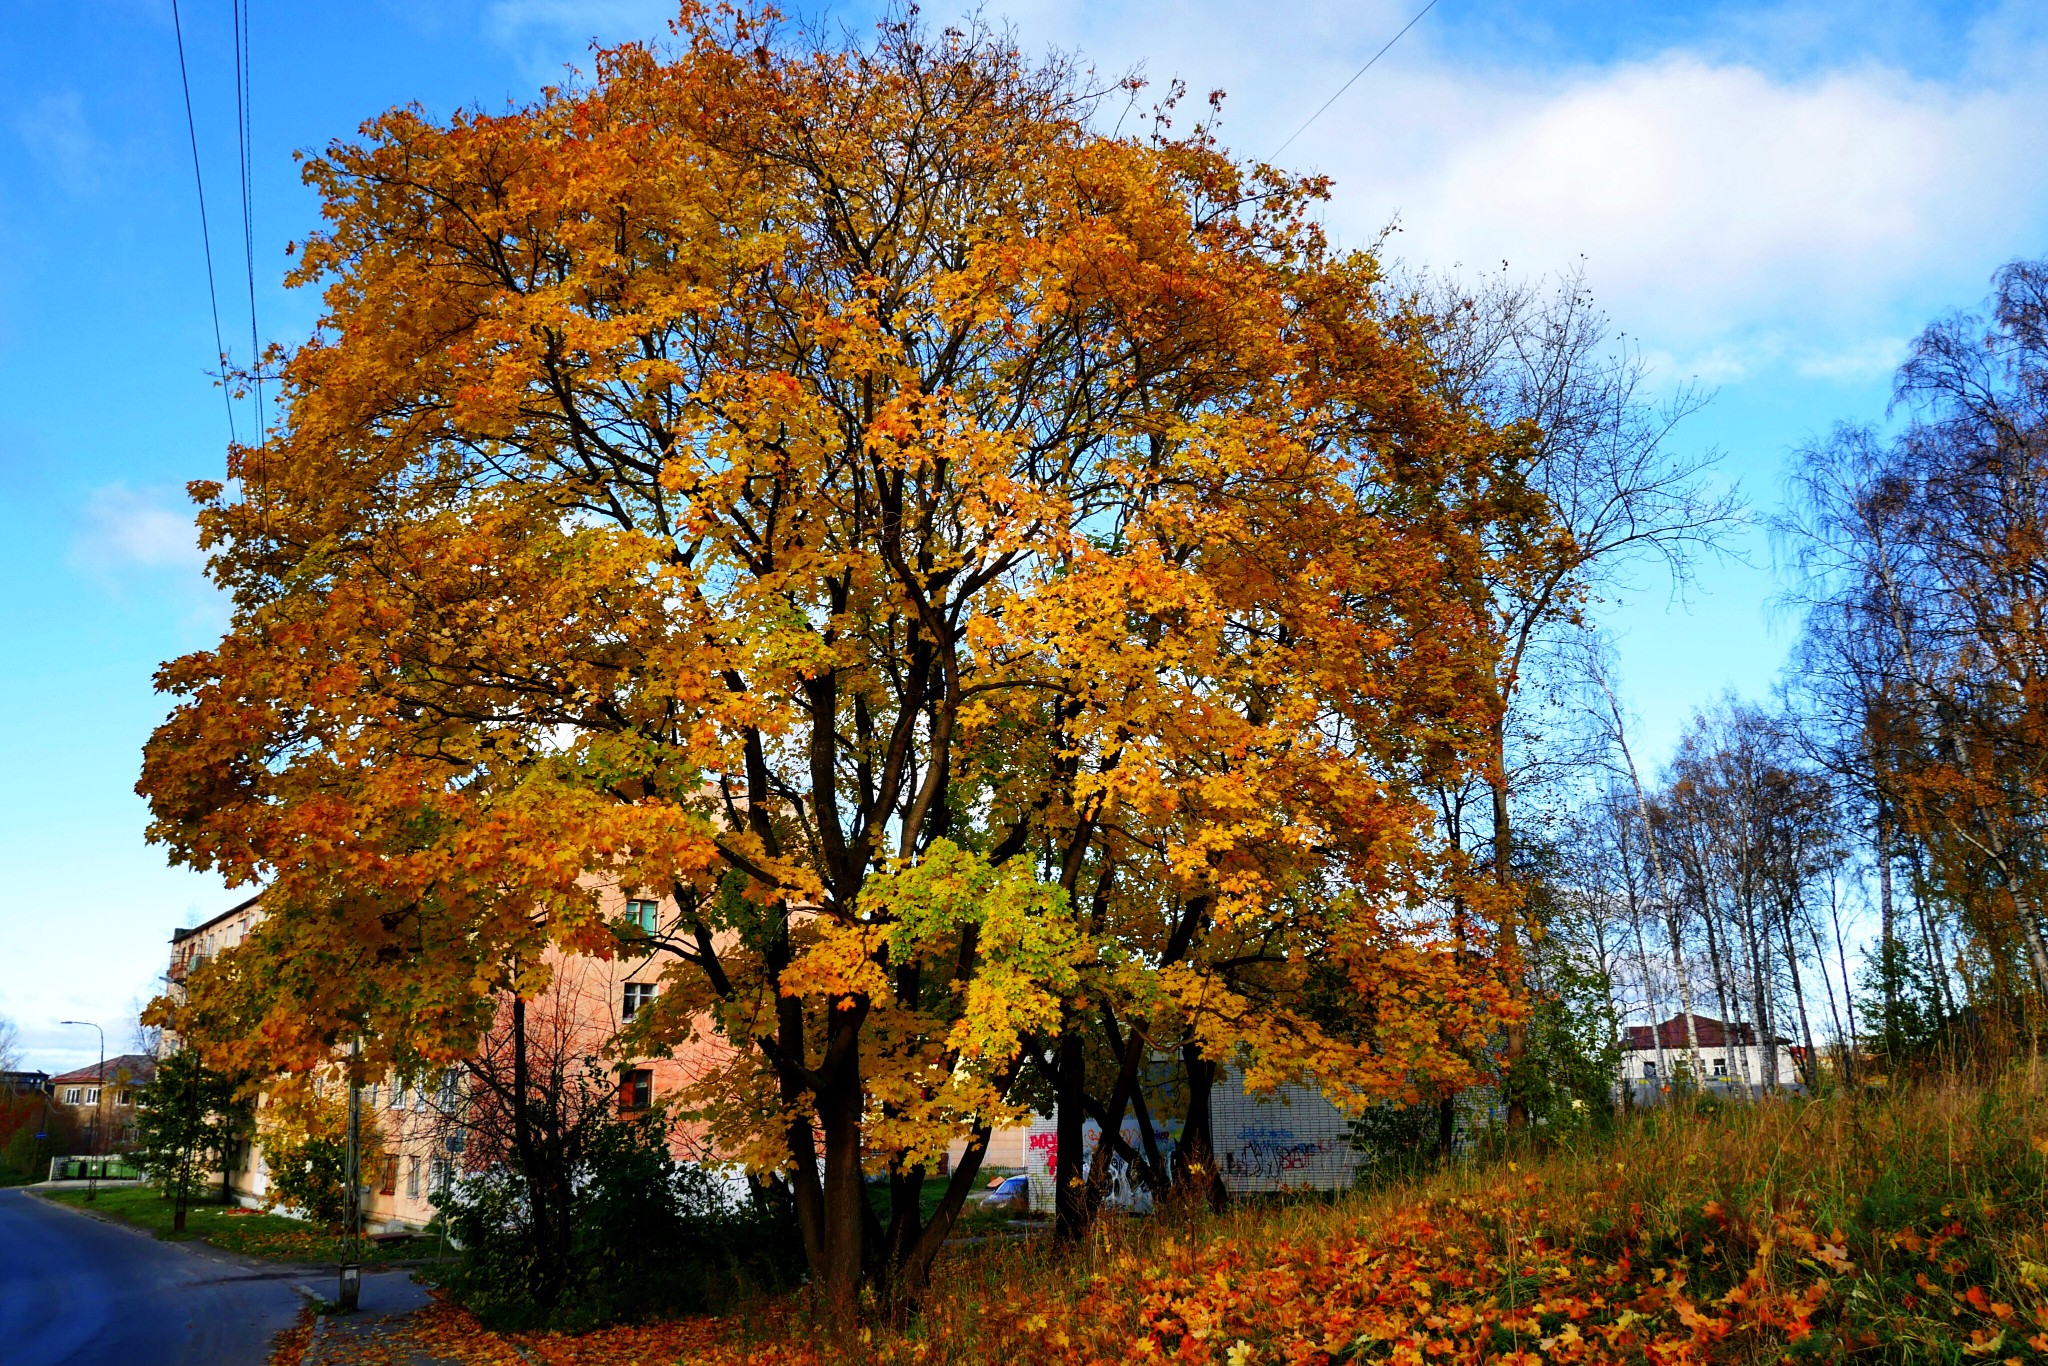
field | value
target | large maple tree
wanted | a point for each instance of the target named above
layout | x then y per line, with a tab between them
998	577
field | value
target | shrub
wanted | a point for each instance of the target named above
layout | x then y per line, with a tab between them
651	1236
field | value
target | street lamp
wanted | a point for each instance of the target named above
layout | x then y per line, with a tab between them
99	1099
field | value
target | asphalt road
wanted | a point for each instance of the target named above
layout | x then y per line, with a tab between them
75	1291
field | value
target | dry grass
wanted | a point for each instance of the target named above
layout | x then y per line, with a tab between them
1900	1229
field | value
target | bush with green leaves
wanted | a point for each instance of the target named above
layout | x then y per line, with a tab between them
651	1237
310	1175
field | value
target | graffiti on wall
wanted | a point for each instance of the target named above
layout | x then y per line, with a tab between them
1276	1154
1041	1151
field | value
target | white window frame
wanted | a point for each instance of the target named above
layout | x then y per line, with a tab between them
637	994
72	1095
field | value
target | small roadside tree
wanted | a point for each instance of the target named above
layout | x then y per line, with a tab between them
189	1122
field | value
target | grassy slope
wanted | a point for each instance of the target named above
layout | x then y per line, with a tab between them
228	1227
1907	1229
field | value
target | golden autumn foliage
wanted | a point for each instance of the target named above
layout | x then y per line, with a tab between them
988	573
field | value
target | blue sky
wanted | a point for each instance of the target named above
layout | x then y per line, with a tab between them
1768	198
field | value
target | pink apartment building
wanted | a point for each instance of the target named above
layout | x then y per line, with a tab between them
589	1001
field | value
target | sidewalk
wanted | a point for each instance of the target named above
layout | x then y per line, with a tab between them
370	1332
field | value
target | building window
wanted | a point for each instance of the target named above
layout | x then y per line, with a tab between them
440	1176
637	994
1721	1067
412	1178
398	1095
644	916
1649	1068
387	1182
72	1095
127	1098
451	1080
370	1100
637	1091
92	1095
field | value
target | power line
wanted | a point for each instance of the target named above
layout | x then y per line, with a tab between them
240	18
220	350
1353	81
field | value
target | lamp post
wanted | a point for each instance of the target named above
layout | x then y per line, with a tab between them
352	1172
99	1099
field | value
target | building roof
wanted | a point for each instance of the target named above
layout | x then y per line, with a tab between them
1710	1032
236	909
136	1067
24	1081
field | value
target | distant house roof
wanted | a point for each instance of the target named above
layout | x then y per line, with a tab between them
237	908
1710	1032
24	1081
139	1068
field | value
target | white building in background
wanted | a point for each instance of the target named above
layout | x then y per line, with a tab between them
1732	1058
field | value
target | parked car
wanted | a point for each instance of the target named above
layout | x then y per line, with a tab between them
1008	1194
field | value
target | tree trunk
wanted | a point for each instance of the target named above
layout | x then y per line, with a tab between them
1197	1173
1515	1037
1721	994
806	1194
1820	960
1848	990
1070	1084
845	1205
1812	1057
1132	1052
1649	999
541	1210
1765	1025
1885	927
914	1273
1671	922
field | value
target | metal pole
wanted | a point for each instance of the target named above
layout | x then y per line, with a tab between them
352	1205
99	1096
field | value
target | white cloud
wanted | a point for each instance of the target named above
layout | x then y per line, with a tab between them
1710	199
1857	364
122	529
1764	198
548	35
140	545
55	131
1727	206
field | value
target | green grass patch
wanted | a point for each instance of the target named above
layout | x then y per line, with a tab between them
231	1228
974	1218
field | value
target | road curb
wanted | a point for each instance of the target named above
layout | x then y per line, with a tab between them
196	1246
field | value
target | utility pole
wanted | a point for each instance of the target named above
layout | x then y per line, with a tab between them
352	1174
99	1099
